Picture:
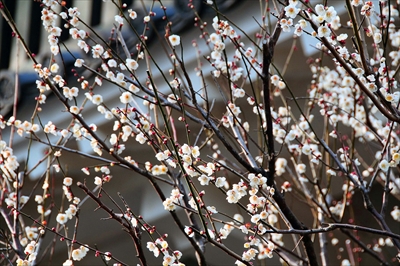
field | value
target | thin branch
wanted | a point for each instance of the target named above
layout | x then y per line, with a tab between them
123	222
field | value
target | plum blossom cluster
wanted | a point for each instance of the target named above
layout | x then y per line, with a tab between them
257	185
339	104
8	162
79	253
160	246
224	32
325	16
49	20
69	213
261	251
171	202
31	251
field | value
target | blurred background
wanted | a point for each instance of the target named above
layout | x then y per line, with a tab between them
94	229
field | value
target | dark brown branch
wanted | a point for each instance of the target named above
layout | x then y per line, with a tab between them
333	226
268	53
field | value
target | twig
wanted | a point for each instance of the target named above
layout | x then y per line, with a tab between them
241	142
367	201
126	225
70	239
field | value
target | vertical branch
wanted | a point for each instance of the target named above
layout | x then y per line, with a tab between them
268	53
323	242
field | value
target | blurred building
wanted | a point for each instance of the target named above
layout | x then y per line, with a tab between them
93	230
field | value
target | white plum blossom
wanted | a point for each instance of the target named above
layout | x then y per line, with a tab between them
384	165
395	213
280	165
204	180
174	40
61	218
324	31
74	109
119	20
291	11
131	64
80	253
67	181
126	97
79	62
97	99
169	204
220	182
132	14
97	51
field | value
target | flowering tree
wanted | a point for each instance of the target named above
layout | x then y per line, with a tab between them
266	147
